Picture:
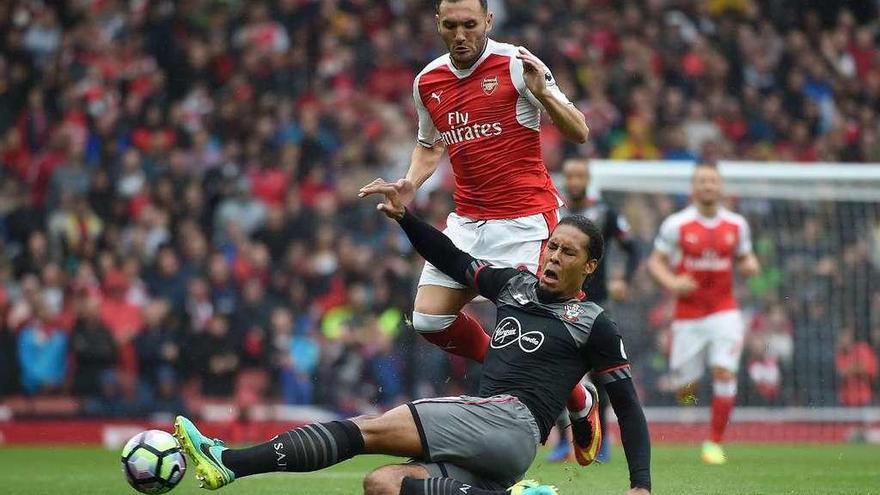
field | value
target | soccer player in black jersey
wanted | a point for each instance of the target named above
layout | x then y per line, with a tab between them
598	287
544	341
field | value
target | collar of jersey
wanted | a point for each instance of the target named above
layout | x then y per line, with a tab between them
462	73
708	222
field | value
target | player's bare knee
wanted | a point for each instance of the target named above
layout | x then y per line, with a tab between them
722	374
381	482
438	300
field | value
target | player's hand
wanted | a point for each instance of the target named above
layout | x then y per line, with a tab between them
534	72
749	266
406	190
638	491
683	285
618	289
392	207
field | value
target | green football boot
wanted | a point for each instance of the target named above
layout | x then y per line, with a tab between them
531	487
205	453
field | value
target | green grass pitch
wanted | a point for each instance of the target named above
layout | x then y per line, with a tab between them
752	470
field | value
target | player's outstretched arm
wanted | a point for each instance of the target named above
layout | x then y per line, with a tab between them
438	250
611	368
429	242
633	431
570	121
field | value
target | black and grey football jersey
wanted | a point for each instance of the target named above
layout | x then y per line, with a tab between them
540	350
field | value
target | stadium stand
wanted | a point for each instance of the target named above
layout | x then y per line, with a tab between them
178	210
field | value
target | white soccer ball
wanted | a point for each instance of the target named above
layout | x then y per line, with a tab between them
152	462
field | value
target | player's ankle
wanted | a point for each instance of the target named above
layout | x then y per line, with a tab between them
579	402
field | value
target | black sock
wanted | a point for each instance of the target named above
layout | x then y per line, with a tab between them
309	448
442	486
562	423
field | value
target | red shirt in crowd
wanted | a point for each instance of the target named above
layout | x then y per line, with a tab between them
857	367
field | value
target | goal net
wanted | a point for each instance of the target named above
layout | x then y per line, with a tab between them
813	315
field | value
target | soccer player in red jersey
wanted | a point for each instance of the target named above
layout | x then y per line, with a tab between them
482	104
694	256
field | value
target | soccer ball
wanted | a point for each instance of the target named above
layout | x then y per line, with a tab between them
152	462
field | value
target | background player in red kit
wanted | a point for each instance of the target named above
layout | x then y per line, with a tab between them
482	103
694	256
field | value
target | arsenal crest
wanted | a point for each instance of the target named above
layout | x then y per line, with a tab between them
572	312
489	84
729	239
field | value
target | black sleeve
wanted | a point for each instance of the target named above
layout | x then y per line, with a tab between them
616	227
610	367
633	431
438	250
604	351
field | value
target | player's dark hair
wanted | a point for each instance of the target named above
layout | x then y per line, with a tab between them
595	241
483	3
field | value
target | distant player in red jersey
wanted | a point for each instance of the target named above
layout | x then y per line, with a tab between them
694	256
482	104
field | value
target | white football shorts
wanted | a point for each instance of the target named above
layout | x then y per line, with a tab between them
508	242
718	336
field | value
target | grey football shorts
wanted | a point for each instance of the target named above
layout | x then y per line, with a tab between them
487	442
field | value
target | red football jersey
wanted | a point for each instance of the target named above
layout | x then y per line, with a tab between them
489	122
706	249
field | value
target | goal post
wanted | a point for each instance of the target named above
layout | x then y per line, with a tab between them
816	230
776	180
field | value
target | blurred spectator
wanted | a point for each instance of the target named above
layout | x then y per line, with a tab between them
74	228
297	357
42	355
36	254
199	308
166	280
93	349
384	363
857	367
250	323
8	348
71	178
765	377
205	162
224	292
167	399
242	211
118	398
638	143
216	358
157	347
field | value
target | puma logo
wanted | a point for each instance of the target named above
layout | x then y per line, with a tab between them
436	95
465	488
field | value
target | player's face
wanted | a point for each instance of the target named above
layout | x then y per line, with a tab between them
464	27
707	186
577	178
566	262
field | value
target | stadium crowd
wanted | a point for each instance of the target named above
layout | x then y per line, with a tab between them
178	204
